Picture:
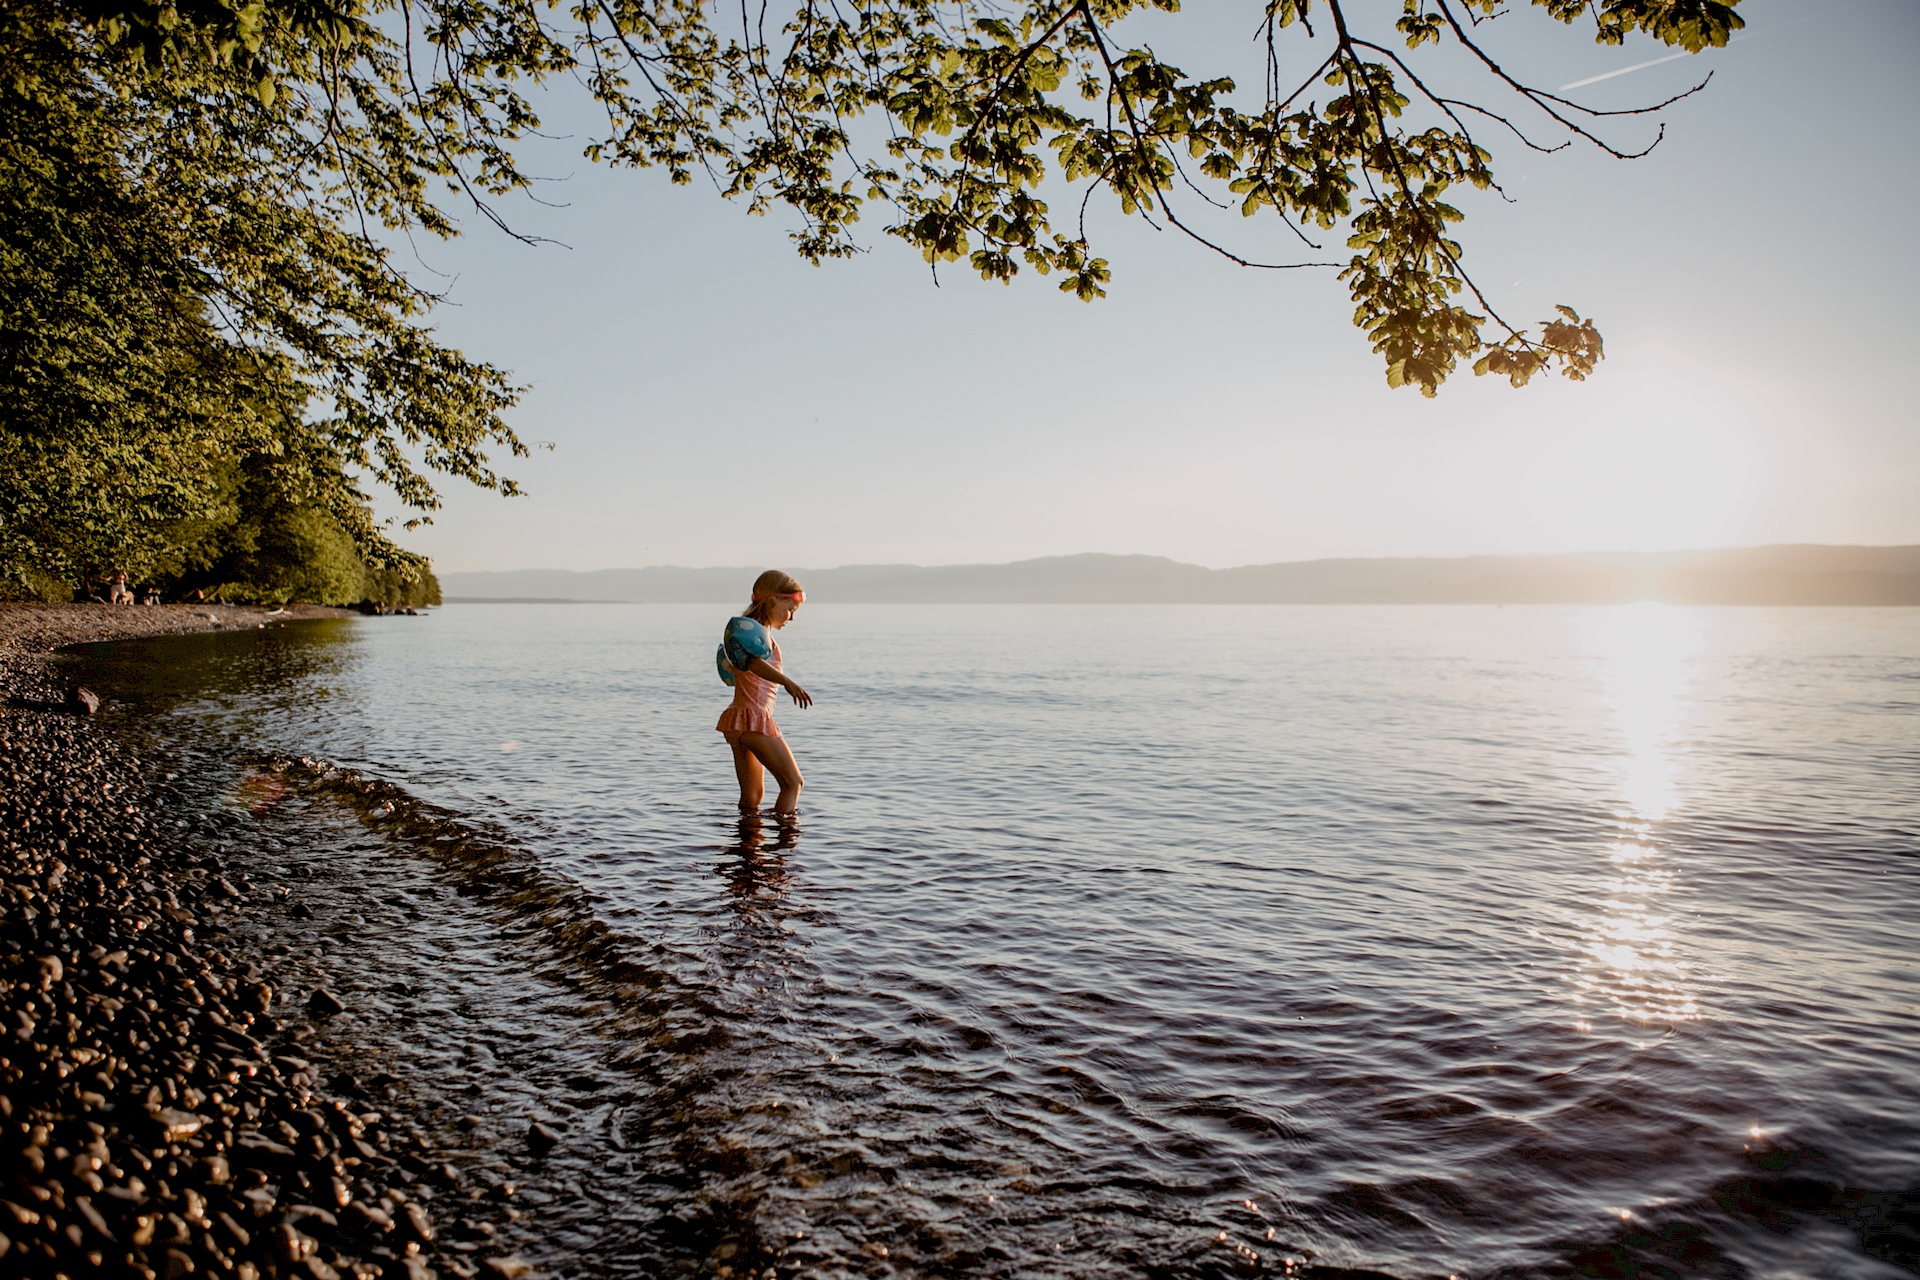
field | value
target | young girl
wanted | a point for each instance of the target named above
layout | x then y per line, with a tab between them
749	660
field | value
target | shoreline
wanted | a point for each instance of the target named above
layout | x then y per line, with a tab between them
30	631
164	1113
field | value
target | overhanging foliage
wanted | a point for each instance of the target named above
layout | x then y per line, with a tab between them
200	197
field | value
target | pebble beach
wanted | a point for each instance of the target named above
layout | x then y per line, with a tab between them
163	1114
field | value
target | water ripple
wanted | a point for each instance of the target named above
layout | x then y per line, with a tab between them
1207	941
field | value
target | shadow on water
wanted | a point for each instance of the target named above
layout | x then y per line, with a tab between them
702	1125
1790	1193
158	674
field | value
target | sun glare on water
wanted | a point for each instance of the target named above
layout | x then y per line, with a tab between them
1646	651
1630	957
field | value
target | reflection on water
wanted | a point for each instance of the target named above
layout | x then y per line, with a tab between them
1632	963
1646	651
755	865
1222	956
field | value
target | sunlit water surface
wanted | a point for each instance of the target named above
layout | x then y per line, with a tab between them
1190	940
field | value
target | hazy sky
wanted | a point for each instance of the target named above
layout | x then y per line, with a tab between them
711	399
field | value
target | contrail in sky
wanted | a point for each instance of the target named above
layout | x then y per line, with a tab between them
1638	66
1642	66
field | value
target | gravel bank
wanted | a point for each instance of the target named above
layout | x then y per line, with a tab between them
29	631
159	1118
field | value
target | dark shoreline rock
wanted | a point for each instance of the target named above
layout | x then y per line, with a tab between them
155	1117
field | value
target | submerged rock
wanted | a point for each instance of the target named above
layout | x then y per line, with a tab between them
541	1139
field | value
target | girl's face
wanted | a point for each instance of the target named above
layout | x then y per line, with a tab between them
784	607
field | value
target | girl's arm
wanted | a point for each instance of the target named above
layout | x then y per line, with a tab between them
767	671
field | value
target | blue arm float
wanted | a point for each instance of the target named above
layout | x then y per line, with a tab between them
743	641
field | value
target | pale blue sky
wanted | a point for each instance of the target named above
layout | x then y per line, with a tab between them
712	399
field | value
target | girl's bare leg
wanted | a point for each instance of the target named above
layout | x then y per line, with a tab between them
747	769
774	753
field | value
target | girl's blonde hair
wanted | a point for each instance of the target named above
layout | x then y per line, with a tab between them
765	587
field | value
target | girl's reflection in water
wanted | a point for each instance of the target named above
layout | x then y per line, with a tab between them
760	948
755	864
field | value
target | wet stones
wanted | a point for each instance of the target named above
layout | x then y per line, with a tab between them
541	1139
83	701
324	1004
155	1120
418	1224
170	1124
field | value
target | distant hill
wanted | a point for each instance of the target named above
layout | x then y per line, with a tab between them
1797	575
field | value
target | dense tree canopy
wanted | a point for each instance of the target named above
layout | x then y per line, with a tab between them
198	201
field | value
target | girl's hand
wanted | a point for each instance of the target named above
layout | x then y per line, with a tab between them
799	695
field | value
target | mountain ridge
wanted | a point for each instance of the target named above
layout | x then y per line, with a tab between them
1788	573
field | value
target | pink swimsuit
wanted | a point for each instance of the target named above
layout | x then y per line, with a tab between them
752	709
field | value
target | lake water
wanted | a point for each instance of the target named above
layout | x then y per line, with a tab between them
1160	941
